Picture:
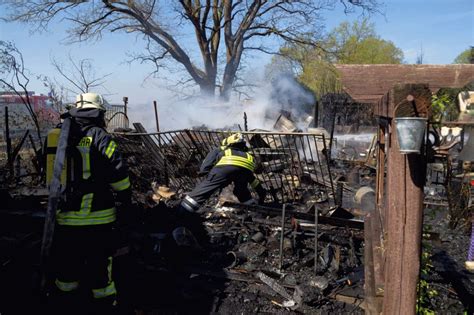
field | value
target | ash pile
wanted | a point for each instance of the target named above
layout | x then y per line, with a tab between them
301	252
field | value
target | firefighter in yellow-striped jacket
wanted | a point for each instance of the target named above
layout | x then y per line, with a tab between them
230	163
94	179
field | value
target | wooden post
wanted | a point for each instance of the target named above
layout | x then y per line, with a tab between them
246	127
315	239
369	266
316	114
366	200
9	143
125	105
405	180
378	225
333	125
156	116
38	162
282	236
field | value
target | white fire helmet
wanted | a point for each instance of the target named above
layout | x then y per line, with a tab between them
90	100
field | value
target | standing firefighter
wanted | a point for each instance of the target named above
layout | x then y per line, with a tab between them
85	240
231	163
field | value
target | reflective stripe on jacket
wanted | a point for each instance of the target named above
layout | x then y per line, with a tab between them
94	168
237	158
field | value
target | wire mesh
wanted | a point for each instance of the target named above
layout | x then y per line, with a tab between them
291	166
116	118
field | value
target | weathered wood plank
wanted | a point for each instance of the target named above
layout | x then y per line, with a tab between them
405	180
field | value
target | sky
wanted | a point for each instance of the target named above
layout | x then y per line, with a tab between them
441	28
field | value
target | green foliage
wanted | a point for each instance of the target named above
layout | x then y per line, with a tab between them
374	51
358	43
438	106
444	105
426	293
355	43
466	56
424	296
320	76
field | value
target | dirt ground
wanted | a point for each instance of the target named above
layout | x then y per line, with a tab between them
172	280
447	249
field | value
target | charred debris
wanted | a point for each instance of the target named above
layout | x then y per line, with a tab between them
300	253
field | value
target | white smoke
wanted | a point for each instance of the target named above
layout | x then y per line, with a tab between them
262	109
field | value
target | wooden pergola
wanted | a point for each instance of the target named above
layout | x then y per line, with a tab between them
394	227
369	83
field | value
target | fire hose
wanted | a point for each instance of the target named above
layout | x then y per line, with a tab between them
53	200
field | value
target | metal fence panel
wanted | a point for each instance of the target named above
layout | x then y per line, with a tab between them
291	166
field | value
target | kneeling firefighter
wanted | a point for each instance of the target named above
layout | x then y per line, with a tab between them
230	163
94	178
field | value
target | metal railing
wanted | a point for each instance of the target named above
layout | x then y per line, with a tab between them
291	166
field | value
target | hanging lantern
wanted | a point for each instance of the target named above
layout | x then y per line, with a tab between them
410	133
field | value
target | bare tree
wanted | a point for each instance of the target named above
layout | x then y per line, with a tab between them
237	25
14	77
80	75
58	94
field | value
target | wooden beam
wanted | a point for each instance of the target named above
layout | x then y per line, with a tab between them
378	225
405	181
378	79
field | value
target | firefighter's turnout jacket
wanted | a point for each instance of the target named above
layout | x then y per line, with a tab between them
93	169
85	236
223	166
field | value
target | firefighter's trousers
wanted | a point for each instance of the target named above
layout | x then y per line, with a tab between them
220	177
83	257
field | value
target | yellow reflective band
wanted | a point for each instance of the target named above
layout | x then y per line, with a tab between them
110	148
109	269
254	183
104	292
250	158
237	161
92	215
66	286
86	203
121	184
86	161
78	218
